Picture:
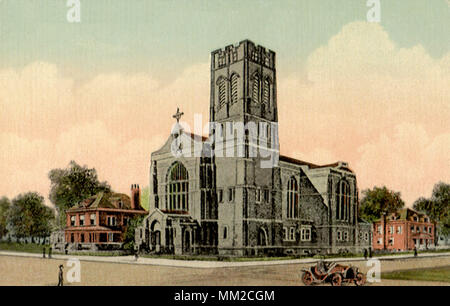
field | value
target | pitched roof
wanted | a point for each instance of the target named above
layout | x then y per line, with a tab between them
288	159
106	200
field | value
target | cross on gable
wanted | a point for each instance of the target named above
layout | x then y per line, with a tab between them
178	115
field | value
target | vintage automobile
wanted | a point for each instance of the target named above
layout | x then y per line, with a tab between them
330	272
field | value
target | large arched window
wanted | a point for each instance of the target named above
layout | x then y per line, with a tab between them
266	92
343	201
177	188
256	87
292	198
234	88
222	90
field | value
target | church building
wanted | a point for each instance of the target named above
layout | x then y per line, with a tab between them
231	193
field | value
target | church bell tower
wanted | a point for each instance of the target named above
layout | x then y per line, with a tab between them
243	84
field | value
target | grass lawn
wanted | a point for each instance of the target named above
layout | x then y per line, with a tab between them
440	274
23	247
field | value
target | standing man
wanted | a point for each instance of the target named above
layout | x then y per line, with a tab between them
43	252
61	276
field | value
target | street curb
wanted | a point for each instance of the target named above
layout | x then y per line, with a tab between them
211	264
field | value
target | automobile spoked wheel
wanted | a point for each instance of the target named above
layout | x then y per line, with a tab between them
336	280
360	279
307	278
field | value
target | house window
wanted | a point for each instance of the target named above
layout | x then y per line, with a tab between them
380	229
366	236
417	229
93	219
258	195
429	230
306	234
339	235
178	188
399	229
72	237
391	241
292	198
110	237
379	241
82	220
72	221
424	229
412	229
391	229
111	221
292	233
345	236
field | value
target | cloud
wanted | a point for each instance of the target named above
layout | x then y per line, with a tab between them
112	122
363	91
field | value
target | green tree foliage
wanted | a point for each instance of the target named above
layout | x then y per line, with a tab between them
128	242
145	195
71	185
437	207
28	216
4	207
377	201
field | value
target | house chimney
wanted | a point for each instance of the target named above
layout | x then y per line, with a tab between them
135	197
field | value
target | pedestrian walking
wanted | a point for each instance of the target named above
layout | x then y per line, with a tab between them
43	252
61	276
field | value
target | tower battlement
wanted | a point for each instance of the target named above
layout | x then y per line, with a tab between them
244	49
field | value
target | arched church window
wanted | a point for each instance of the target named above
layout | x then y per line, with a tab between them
256	88
292	198
266	93
178	188
343	201
222	90
234	88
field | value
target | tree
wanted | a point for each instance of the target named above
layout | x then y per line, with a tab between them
377	201
71	185
437	207
128	241
4	207
28	216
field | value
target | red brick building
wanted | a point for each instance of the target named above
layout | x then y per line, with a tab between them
100	221
403	230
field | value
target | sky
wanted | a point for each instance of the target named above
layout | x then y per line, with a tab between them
102	91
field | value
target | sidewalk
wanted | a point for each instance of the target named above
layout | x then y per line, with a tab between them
211	264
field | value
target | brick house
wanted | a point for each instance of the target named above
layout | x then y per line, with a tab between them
403	230
100	221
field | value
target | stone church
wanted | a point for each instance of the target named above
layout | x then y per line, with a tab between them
203	201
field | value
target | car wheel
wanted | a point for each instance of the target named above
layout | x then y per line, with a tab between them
360	279
336	280
307	278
